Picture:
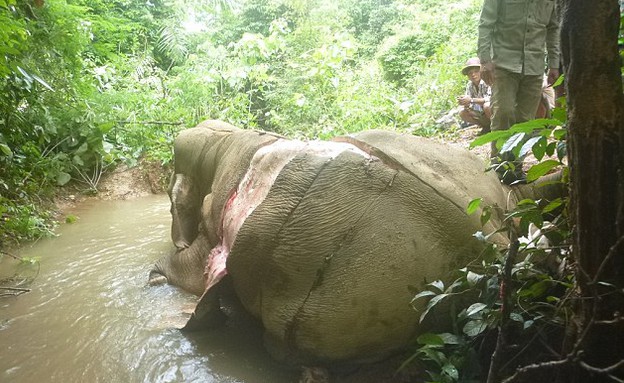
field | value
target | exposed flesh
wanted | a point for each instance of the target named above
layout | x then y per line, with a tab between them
254	187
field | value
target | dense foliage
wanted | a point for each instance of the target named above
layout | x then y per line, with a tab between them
84	84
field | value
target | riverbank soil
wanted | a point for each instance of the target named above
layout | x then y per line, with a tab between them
118	183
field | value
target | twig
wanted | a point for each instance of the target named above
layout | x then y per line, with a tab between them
14	289
605	370
149	122
501	342
11	255
526	371
612	252
573	356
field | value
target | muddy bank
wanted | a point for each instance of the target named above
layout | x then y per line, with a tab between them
120	182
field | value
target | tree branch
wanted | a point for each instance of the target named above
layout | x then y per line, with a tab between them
148	122
501	343
14	289
526	372
11	255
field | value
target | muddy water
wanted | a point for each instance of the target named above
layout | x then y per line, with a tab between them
90	316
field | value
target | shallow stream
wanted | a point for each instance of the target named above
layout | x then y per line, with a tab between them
90	317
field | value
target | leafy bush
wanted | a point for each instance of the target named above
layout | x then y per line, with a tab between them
519	289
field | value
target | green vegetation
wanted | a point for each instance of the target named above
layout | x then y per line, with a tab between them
520	292
87	84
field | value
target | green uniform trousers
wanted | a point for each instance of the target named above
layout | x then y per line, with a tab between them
515	98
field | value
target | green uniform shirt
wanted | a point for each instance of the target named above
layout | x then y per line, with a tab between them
515	35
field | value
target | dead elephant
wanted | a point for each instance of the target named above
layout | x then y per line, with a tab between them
325	242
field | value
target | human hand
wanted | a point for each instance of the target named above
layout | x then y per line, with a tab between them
487	73
553	75
463	100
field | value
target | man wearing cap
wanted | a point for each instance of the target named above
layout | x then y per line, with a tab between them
514	36
476	99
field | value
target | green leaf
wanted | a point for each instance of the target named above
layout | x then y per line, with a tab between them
559	80
450	338
70	218
489	137
560	114
536	171
473	205
552	205
473	278
550	148
530	126
560	134
77	160
62	178
527	146
106	127
423	294
534	217
432	303
526	202
451	371
438	285
513	142
535	290
82	148
485	215
474	327
4	148
430	339
40	81
475	308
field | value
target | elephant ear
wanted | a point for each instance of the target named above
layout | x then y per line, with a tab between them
233	156
185	210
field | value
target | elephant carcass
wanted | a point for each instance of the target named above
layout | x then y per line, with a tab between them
326	242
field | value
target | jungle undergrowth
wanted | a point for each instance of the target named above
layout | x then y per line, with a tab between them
516	294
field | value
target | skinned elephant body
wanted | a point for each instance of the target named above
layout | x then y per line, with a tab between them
325	243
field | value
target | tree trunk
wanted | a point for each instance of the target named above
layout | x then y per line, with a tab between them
596	157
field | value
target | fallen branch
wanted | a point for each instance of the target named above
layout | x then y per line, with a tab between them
149	122
15	289
11	255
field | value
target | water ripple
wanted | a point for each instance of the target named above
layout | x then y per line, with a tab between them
91	317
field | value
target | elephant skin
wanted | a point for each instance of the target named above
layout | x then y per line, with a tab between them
325	242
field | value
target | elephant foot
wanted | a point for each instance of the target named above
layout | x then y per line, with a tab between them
156	279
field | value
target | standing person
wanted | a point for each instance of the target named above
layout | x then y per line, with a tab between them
514	36
476	99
